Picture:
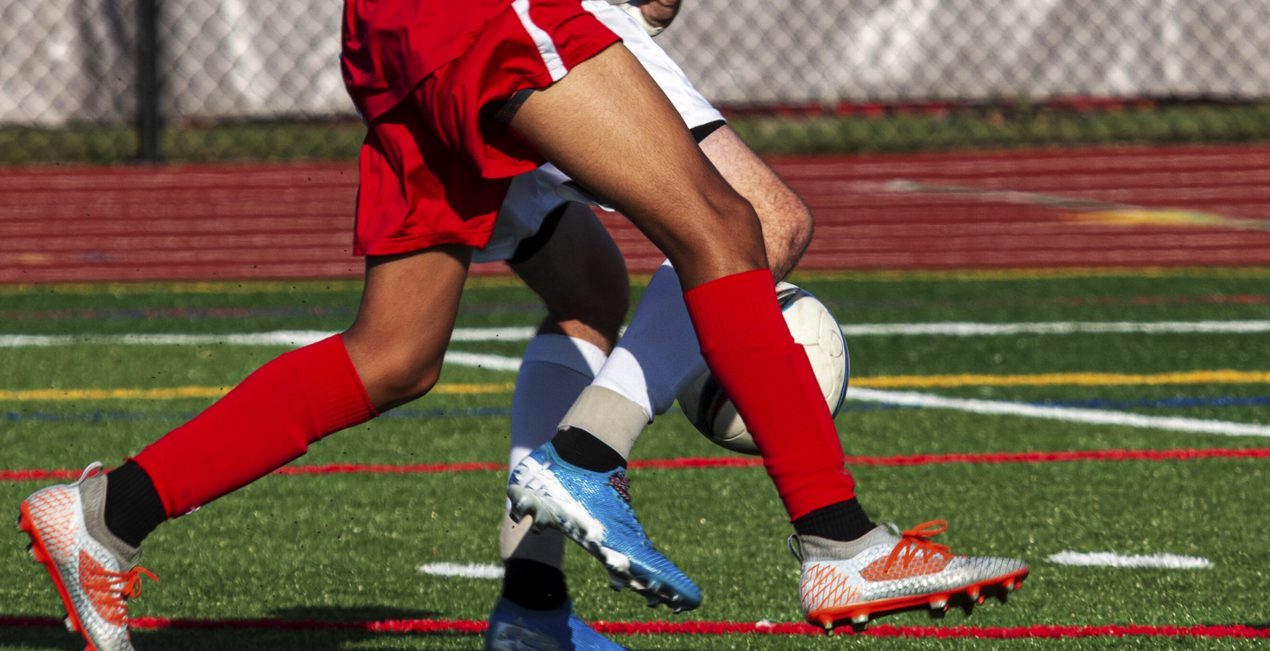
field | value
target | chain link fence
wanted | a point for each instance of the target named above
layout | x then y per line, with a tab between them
116	80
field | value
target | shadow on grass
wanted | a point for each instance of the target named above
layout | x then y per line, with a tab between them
292	628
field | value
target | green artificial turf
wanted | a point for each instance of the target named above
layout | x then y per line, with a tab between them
346	547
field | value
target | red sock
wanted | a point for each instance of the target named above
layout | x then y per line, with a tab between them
747	345
266	421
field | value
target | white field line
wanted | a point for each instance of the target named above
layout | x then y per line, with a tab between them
948	328
973	329
290	338
1071	415
294	338
297	338
1112	559
464	571
487	362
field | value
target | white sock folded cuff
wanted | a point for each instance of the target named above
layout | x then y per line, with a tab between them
570	352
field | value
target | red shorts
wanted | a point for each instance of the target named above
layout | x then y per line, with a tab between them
435	168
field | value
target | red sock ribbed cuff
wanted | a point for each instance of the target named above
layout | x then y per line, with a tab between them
719	305
336	405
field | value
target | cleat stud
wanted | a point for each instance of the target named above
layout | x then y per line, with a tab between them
69	623
939	604
973	594
981	599
860	619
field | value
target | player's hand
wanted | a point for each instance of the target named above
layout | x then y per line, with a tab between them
654	15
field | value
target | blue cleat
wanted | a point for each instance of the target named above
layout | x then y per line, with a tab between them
512	628
593	508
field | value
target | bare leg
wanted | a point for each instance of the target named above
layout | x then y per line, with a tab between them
608	126
581	277
403	325
392	354
786	220
679	200
659	353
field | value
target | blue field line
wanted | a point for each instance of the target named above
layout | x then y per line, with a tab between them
486	412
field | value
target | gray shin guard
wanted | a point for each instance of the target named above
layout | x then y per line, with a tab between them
608	416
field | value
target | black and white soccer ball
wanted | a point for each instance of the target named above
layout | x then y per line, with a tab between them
816	330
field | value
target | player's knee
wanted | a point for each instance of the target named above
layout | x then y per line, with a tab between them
787	228
602	301
717	234
799	221
595	308
738	232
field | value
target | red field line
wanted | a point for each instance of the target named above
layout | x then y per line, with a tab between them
1185	454
468	626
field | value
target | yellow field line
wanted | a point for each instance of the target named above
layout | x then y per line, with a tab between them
882	382
178	393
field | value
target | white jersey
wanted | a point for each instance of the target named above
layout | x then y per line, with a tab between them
534	195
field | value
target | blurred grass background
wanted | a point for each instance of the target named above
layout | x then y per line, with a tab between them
893	129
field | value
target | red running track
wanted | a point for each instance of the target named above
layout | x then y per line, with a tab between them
68	224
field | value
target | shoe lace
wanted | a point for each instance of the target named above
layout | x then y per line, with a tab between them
622	485
94	468
915	544
110	591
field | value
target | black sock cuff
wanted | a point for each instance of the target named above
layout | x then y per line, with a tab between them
580	448
533	585
133	505
839	521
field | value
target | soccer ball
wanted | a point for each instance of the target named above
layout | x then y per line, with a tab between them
713	414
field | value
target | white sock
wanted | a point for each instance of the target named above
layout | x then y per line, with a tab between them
555	369
658	354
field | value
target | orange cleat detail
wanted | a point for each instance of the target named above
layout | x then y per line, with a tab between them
887	571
